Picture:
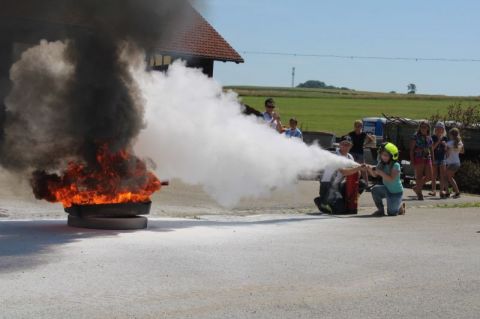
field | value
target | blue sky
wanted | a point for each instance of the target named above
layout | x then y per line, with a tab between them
422	28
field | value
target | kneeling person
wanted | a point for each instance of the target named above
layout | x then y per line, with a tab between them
392	189
332	184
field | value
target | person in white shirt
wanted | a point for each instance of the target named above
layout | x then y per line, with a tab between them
332	184
270	117
454	149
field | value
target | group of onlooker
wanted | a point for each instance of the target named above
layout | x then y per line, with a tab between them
436	157
272	119
433	156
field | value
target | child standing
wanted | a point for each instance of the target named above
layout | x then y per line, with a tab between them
294	131
439	139
454	149
421	157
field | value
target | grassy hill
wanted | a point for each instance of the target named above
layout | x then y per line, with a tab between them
335	110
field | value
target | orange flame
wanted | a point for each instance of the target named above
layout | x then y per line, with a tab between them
116	178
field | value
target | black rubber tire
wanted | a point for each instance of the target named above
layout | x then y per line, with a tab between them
117	223
110	210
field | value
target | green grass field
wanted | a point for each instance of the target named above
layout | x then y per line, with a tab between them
335	110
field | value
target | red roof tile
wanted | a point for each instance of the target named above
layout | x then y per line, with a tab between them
198	38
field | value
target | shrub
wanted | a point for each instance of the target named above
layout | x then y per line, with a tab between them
468	177
459	116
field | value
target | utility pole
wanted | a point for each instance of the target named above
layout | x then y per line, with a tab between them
293	77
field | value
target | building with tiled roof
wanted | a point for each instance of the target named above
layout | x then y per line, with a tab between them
198	43
195	41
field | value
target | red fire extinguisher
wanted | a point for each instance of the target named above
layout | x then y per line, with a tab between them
352	193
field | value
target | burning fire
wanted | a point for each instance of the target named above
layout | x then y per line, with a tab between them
115	178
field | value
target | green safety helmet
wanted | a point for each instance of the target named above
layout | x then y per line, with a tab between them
391	149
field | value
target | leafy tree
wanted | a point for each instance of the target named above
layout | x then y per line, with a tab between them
412	88
459	116
314	84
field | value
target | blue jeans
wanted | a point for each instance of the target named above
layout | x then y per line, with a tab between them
394	201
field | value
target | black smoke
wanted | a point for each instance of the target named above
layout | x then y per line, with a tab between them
49	119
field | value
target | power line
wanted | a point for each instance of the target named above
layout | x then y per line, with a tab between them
360	57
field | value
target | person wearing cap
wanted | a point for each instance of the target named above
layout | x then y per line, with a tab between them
332	183
388	169
270	117
440	140
293	131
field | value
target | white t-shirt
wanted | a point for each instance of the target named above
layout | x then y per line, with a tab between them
453	153
331	173
270	120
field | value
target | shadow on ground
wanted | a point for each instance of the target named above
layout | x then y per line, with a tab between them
26	244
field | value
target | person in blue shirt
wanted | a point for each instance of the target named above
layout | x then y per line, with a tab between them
392	189
293	131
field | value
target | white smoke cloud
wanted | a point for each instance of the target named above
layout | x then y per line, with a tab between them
195	132
37	121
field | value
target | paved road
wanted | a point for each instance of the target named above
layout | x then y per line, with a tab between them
181	200
423	265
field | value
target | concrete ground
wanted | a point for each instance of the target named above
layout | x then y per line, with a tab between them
242	263
180	200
